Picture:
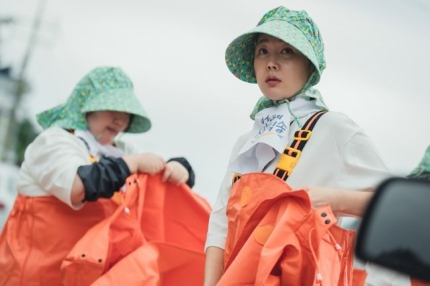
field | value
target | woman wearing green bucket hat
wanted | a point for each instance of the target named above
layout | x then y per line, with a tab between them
101	106
284	55
76	160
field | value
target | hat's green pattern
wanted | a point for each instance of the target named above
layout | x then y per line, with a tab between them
293	27
102	89
422	171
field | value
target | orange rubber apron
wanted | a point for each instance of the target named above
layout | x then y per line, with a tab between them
41	232
275	235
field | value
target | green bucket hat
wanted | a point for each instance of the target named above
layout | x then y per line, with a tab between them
293	27
102	89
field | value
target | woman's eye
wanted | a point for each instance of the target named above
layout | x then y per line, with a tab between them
287	51
262	51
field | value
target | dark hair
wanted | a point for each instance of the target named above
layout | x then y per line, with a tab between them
129	122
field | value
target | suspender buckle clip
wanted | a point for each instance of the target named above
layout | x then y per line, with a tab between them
286	161
303	135
235	178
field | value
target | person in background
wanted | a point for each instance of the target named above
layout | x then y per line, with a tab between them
72	173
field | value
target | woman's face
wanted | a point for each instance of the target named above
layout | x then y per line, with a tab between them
106	125
280	69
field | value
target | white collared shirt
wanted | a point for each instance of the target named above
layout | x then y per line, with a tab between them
51	162
339	155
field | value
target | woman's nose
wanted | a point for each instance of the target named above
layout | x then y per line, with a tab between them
120	120
272	65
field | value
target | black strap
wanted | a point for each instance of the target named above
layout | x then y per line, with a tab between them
85	142
291	154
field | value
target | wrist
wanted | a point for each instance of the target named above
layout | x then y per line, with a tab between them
131	162
338	201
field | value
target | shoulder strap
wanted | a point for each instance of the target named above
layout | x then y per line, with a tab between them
291	155
92	158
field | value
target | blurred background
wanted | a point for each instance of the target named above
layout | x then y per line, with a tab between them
377	72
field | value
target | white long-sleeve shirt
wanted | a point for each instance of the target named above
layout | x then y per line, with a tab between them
51	162
338	155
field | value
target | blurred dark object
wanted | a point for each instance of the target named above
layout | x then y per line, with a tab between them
6	20
6	71
395	230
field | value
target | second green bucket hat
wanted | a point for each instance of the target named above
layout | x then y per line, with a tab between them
293	27
102	89
422	171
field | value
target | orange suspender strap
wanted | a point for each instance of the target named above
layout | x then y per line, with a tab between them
291	155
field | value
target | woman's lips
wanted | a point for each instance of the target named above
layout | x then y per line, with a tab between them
112	130
272	81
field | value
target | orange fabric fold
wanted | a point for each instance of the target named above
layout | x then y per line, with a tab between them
280	240
154	236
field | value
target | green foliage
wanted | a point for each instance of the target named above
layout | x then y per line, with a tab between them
26	133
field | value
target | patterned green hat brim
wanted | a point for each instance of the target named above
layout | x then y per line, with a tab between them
120	100
240	53
63	117
102	89
57	116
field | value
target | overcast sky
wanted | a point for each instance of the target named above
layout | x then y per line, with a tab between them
377	68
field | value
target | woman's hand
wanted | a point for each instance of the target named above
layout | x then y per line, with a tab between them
149	163
175	173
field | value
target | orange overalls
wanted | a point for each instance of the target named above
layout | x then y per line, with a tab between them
165	244
275	238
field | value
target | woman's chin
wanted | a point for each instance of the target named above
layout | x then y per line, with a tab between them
104	141
276	97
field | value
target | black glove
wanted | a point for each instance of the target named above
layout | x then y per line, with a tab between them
184	162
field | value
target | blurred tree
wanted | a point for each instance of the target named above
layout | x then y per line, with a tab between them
26	132
13	140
